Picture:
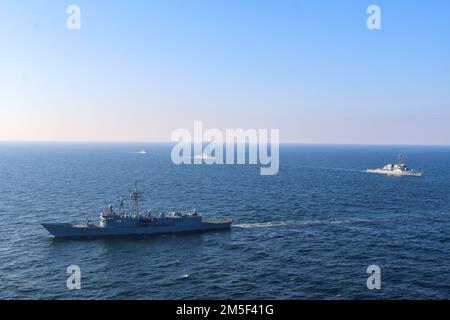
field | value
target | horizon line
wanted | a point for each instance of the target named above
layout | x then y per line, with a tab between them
168	142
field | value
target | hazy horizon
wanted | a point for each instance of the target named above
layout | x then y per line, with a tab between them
174	142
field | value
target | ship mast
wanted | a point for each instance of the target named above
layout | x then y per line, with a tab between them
401	160
136	195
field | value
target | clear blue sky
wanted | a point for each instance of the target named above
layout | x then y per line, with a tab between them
137	70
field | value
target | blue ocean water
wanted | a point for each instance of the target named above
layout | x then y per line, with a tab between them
309	232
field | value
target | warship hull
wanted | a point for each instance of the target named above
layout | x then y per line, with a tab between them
395	173
68	230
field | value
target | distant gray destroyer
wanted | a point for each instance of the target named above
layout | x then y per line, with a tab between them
122	223
399	169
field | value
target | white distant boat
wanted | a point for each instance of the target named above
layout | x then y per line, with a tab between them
399	169
205	156
143	151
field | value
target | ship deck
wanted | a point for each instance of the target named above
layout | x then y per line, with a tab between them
217	220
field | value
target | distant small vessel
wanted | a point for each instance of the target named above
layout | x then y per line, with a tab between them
205	156
122	223
143	151
399	169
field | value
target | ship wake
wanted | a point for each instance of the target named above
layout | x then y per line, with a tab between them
298	223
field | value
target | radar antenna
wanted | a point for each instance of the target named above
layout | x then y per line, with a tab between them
136	195
120	202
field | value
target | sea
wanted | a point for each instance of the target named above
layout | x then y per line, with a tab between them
309	232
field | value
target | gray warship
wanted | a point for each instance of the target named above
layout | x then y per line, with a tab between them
122	223
399	169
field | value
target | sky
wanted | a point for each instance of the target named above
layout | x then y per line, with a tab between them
138	70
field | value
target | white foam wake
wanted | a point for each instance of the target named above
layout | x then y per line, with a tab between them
274	224
297	223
